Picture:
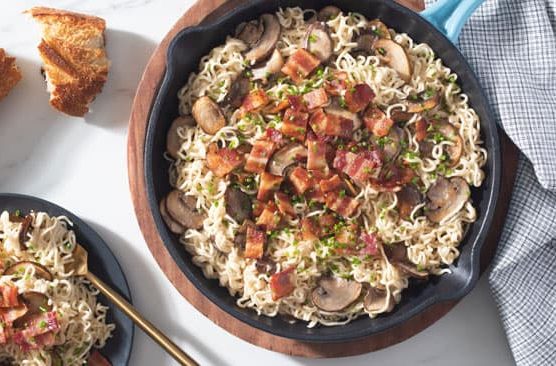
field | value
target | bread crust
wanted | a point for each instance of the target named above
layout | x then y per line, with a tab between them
9	73
75	62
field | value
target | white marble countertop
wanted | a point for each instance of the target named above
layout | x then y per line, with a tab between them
81	165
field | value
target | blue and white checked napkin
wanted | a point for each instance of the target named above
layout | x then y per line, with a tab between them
511	45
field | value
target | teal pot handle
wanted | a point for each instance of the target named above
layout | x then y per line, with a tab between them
449	16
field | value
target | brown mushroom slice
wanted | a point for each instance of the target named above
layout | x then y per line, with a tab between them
241	235
335	294
250	32
238	90
378	301
173	140
393	146
36	302
379	29
318	41
394	56
328	13
172	224
238	204
266	44
399	116
365	43
408	198
423	105
446	198
456	149
18	269
24	230
411	270
182	209
208	115
285	157
272	66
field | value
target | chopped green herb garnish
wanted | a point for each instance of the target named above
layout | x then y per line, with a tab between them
312	38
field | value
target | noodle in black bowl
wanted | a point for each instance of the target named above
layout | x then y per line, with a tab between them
184	54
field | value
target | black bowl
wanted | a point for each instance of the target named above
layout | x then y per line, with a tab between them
102	263
183	57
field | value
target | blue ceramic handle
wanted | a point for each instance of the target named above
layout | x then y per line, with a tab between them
449	16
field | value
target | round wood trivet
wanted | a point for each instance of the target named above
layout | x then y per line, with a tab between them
212	9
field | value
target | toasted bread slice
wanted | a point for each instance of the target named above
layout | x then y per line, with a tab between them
9	73
74	56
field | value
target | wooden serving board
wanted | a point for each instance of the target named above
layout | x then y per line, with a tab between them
212	9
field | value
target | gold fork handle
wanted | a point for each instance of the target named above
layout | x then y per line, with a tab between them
143	323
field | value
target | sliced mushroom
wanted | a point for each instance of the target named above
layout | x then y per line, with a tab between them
250	32
285	157
241	234
17	270
182	209
446	198
318	41
238	90
411	270
365	43
456	149
400	116
172	224
271	66
24	230
379	29
173	140
328	13
208	115
397	255
267	42
423	104
392	146
343	113
36	302
408	198
335	294
238	204
394	56
265	265
378	301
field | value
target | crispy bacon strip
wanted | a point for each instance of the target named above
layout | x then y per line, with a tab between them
359	97
359	167
301	180
223	161
347	237
315	98
282	283
316	156
370	242
421	129
300	64
338	85
330	124
284	204
309	229
294	123
270	218
274	135
393	179
36	325
254	243
259	155
376	121
269	183
341	204
253	102
8	296
277	107
333	183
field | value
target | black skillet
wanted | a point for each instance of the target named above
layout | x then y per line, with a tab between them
183	57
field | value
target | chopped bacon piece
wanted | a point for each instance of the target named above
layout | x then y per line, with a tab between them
254	101
393	178
301	180
258	207
284	204
313	228
269	183
316	156
371	244
347	237
315	194
421	129
341	204
316	98
295	123
9	315
376	121
359	97
309	229
254	243
334	183
8	296
360	167
300	64
297	103
270	218
35	326
96	359
282	283
259	155
274	135
278	107
338	84
331	124
223	161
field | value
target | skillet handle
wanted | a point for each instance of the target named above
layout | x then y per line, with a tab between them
449	16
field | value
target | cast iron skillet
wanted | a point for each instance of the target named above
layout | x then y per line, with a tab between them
102	263
183	57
